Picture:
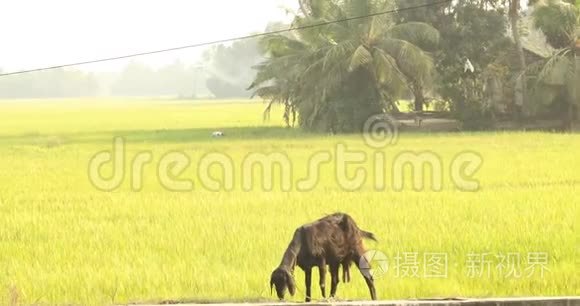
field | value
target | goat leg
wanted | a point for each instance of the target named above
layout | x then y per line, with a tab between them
308	281
334	279
322	270
364	267
346	271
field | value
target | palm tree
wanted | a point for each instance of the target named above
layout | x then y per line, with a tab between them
514	16
338	75
559	21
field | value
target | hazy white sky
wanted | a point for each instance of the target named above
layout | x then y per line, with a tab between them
36	33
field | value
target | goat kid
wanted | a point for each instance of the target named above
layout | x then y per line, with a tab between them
334	240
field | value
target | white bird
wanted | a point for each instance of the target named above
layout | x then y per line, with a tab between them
469	67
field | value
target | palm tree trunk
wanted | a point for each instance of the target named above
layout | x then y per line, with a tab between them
519	96
419	97
576	95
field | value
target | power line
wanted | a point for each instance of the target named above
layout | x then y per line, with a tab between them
321	24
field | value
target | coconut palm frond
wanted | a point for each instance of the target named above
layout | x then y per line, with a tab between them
360	57
378	25
411	60
418	33
558	20
357	8
556	70
338	53
387	70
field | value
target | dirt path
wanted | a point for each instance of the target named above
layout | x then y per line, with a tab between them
528	301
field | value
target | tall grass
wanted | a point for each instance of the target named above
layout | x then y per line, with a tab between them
64	241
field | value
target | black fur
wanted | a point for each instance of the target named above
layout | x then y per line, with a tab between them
334	240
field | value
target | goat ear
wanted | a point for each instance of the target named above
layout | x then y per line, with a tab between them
291	283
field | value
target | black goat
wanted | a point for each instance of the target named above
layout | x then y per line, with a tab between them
333	240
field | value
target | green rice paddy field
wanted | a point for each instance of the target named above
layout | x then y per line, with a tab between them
65	241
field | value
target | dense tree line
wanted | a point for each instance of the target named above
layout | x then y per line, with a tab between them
229	68
479	60
174	80
472	58
48	84
224	72
137	79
